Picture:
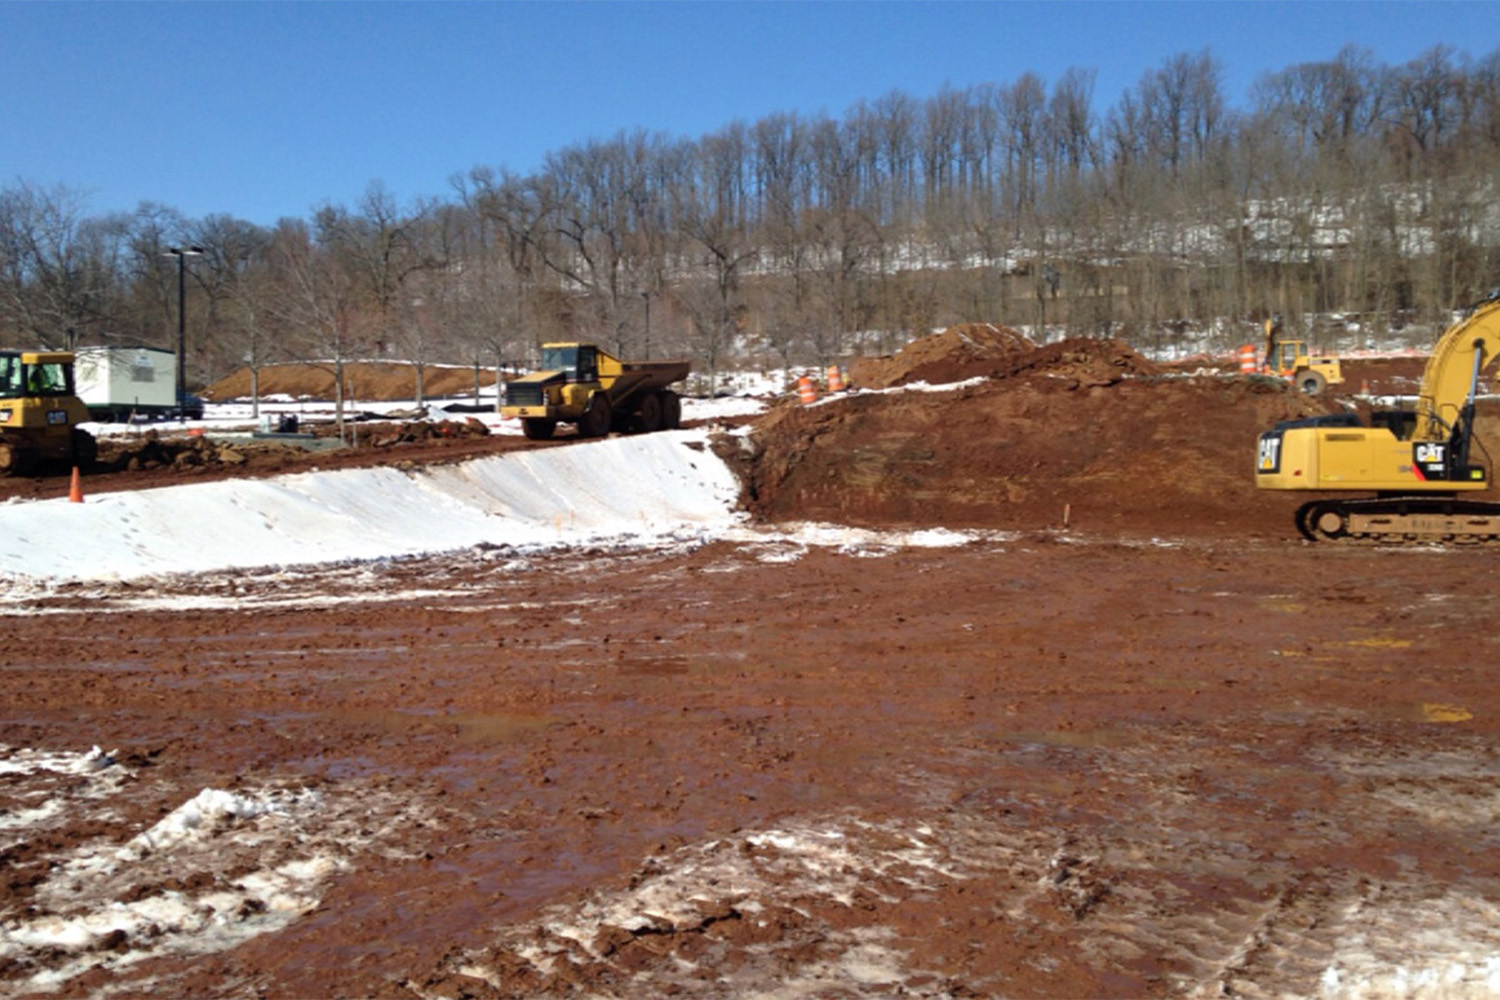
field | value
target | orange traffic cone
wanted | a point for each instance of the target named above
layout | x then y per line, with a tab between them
75	490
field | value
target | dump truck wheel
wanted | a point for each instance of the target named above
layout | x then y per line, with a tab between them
651	413
596	418
1312	383
671	410
85	449
538	428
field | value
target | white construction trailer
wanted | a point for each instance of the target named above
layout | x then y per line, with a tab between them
125	383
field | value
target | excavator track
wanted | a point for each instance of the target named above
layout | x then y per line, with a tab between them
1400	521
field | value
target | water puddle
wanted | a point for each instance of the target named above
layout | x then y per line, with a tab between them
469	727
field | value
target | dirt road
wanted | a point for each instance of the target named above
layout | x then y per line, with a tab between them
1167	752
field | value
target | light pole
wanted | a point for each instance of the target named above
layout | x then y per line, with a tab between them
182	254
647	297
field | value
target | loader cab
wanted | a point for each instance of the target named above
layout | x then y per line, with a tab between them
1288	353
32	374
577	362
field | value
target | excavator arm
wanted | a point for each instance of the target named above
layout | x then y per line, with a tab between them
1446	400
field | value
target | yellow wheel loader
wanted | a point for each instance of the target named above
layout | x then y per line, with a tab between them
1417	463
1312	373
581	384
40	414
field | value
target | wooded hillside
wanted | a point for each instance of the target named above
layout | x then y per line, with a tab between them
1340	187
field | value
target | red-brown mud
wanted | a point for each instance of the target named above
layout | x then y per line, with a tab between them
1169	751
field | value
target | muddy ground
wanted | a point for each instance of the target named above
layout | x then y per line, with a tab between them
1166	750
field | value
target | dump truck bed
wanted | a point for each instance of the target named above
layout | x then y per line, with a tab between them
636	376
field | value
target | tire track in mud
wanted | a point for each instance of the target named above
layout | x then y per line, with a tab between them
979	894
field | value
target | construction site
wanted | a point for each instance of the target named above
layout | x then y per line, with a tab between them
996	676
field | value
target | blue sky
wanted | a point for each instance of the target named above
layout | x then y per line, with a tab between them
267	110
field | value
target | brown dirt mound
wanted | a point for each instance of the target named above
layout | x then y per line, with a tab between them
966	343
189	454
1169	455
383	381
985	351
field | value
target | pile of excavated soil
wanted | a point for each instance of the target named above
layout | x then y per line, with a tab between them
936	358
383	381
1158	455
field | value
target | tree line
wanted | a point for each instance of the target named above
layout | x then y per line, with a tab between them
1342	187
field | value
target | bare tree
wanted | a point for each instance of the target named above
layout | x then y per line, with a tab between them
317	304
60	270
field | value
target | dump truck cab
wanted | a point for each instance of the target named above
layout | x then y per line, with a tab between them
582	384
40	413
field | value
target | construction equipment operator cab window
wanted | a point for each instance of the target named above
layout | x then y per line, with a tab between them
47	380
577	362
18	379
12	378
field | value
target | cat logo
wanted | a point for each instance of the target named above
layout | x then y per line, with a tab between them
1431	453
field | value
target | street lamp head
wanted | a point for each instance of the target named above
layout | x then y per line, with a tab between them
183	252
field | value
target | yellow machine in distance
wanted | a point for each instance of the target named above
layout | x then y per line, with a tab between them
583	385
1311	373
1295	362
40	414
1417	462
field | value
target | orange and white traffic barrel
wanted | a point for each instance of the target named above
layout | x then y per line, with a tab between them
806	390
835	378
1248	365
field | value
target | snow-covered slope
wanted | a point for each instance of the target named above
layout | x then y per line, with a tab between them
644	488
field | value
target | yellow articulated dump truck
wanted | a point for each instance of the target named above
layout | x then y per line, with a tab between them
40	414
1417	464
595	391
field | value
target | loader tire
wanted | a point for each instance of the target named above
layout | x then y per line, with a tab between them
596	418
650	418
671	410
538	428
17	459
85	449
1312	383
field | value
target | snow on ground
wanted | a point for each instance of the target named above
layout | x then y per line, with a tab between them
645	488
636	491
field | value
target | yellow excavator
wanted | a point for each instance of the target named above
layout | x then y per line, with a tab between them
1418	463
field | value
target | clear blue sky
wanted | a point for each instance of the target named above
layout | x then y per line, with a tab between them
266	110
